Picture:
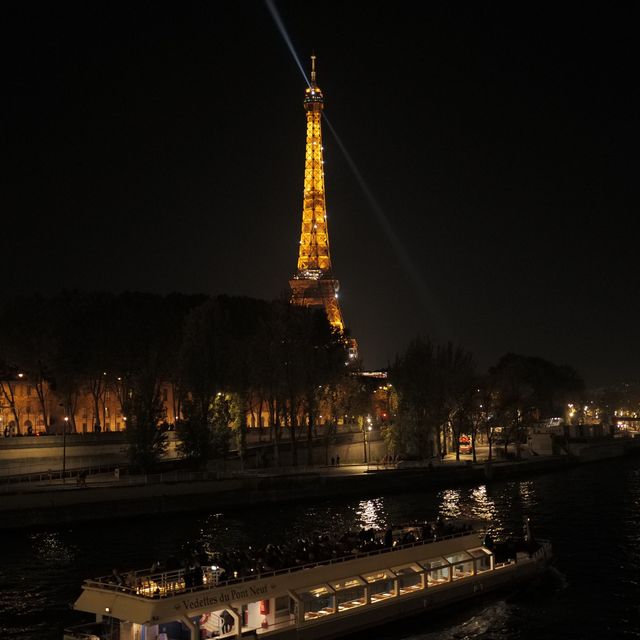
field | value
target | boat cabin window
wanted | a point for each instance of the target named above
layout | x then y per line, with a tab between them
461	565
381	585
482	558
437	570
349	593
409	578
317	602
284	606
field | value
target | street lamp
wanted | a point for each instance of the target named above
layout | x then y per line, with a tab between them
366	428
64	449
364	445
369	428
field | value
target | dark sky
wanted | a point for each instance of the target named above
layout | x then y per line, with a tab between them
160	147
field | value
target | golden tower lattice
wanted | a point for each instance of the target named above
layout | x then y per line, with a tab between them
313	283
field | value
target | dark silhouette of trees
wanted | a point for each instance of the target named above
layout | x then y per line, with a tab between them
241	323
25	339
433	384
8	392
458	379
324	354
148	331
524	387
415	379
228	358
200	364
78	343
254	352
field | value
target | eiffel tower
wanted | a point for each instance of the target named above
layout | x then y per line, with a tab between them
313	285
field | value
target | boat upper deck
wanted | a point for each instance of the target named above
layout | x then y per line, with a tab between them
163	584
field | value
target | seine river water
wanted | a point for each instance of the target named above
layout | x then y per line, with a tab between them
591	514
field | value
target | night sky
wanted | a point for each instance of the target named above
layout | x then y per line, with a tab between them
160	147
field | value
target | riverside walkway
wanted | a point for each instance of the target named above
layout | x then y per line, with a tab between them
109	496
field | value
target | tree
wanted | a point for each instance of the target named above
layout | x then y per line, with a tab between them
325	354
525	387
432	384
239	322
457	369
143	326
201	441
26	344
69	346
178	308
513	396
267	369
8	382
200	359
414	377
221	419
147	441
195	444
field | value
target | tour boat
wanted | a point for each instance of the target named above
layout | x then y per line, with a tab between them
314	601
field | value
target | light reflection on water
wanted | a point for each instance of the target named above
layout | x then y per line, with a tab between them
495	505
371	514
483	505
51	548
450	506
592	512
527	494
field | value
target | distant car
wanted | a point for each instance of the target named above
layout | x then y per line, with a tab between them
464	444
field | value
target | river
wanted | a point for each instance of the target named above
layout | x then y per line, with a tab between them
590	513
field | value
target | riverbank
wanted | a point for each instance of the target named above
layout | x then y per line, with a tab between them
109	497
131	497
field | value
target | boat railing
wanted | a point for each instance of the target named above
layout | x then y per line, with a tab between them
164	584
543	551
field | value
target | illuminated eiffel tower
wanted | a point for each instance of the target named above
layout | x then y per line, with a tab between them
313	285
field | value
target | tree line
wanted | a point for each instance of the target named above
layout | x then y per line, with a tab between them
441	396
225	358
